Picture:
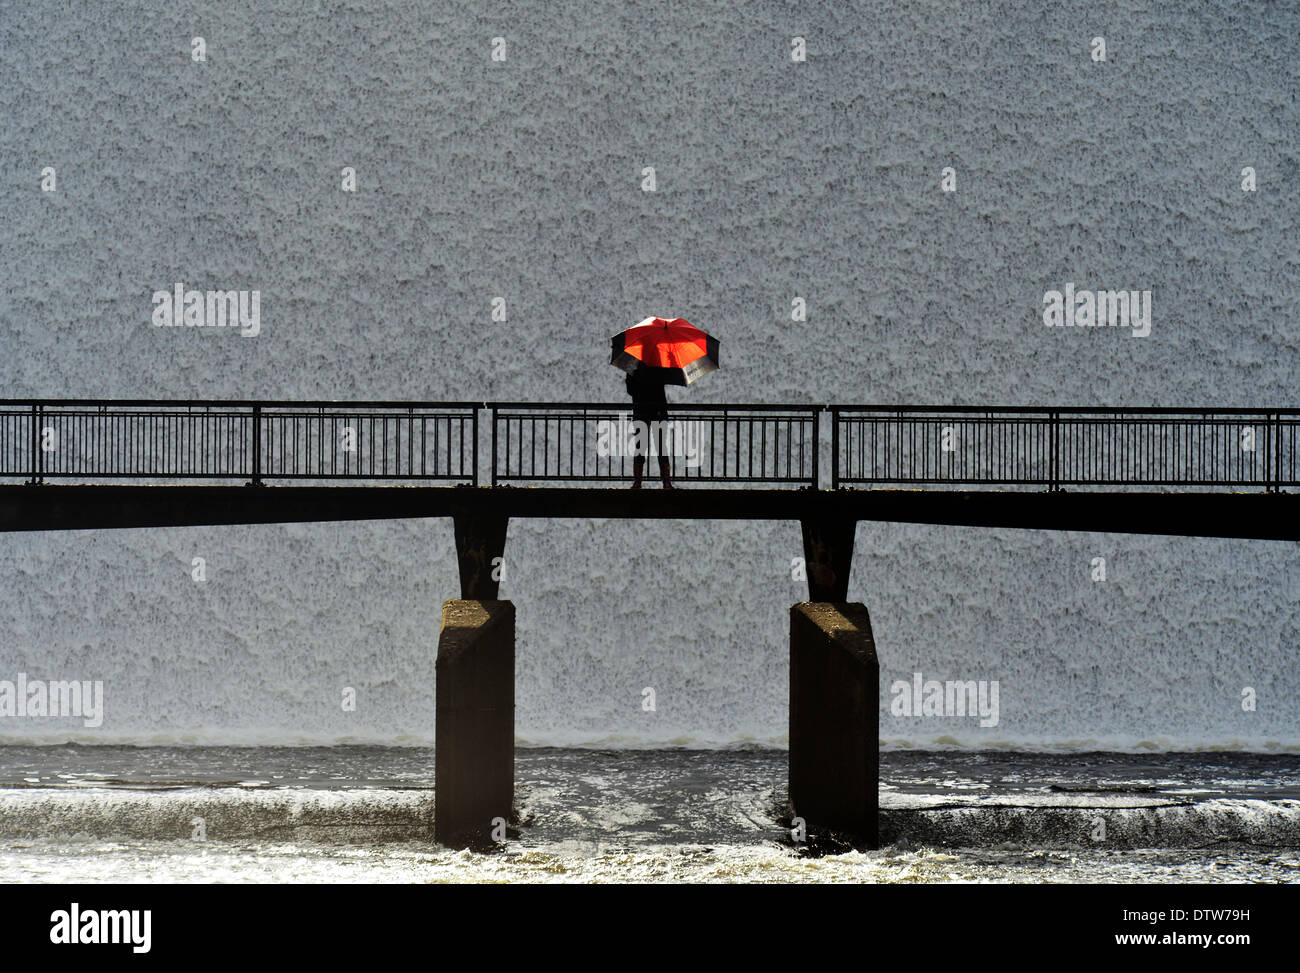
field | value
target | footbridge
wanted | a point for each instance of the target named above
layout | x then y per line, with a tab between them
73	464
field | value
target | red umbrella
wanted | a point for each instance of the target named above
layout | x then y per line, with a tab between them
672	349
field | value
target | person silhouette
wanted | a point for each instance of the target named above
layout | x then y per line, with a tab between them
649	405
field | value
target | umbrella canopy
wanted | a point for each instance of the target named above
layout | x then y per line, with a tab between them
671	350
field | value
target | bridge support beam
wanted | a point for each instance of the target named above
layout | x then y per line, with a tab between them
474	760
828	556
480	539
834	720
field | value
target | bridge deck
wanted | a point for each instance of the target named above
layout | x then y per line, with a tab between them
1269	516
87	463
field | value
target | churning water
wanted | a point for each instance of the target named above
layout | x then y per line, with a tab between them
365	814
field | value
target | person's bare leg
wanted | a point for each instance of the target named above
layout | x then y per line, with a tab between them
665	471
638	465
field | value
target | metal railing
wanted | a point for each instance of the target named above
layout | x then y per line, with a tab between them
583	443
253	441
598	442
1056	448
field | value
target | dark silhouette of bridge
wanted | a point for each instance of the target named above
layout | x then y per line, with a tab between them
79	464
87	463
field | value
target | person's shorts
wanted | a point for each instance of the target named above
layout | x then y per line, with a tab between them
649	412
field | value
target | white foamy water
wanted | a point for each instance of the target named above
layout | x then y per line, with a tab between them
365	814
776	180
91	860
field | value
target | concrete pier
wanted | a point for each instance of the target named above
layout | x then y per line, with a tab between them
475	721
834	721
480	547
828	556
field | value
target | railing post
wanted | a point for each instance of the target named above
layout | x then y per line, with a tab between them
817	448
257	446
473	421
494	446
835	447
1054	420
36	460
1277	452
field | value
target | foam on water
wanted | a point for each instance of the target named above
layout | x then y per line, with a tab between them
365	814
97	860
